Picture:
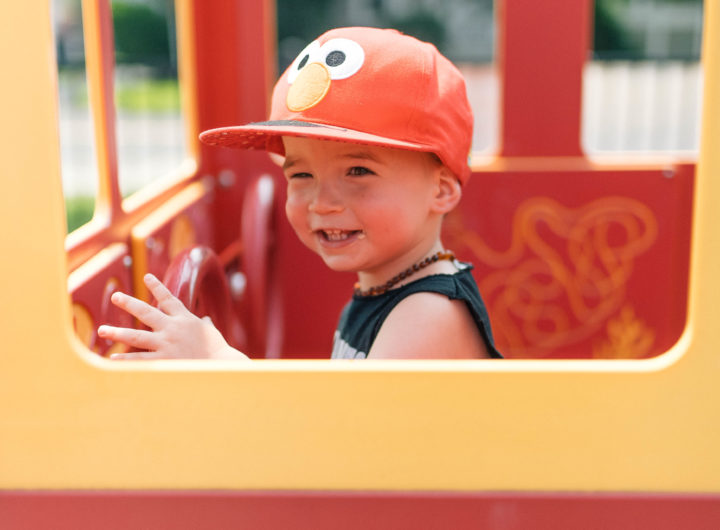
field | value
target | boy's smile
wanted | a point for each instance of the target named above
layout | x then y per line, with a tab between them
366	209
337	236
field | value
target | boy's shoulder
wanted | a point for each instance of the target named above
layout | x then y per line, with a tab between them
429	325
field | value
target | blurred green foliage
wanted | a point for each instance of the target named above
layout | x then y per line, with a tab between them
301	21
423	25
614	38
140	95
149	95
610	35
306	19
310	18
141	35
79	210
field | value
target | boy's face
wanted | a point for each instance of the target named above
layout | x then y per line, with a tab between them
361	208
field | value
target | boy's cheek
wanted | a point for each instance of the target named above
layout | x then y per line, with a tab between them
306	237
294	210
295	214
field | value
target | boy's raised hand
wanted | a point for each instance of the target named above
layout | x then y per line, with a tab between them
176	332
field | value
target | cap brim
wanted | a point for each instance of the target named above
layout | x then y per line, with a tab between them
267	135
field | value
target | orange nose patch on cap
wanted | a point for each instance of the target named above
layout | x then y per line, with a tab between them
309	88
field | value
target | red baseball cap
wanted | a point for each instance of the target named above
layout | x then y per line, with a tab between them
369	86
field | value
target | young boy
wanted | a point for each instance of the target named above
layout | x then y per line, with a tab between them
375	130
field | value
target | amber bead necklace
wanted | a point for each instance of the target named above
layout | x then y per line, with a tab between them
380	289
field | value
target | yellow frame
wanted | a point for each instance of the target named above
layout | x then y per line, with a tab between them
72	420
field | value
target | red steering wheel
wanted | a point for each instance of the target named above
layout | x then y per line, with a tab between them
197	278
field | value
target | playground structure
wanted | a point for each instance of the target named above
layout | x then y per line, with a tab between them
600	276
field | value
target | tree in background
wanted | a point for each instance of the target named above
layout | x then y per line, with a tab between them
142	35
611	36
300	22
421	24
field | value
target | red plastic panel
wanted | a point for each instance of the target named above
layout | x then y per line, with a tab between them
363	510
579	264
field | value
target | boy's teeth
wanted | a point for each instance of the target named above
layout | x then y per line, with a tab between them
336	235
339	235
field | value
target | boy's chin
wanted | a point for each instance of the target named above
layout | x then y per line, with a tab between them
340	263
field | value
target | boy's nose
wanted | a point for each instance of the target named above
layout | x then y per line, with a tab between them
325	200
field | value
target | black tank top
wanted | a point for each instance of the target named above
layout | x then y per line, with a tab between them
363	316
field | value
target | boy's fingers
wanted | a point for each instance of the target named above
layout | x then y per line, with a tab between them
166	300
137	356
143	311
135	338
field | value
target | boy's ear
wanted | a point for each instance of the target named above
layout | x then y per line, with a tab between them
447	192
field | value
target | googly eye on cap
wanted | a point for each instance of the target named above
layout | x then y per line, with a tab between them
341	57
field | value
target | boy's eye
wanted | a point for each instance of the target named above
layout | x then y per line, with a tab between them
359	171
300	175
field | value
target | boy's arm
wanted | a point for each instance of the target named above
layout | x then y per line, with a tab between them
176	332
429	326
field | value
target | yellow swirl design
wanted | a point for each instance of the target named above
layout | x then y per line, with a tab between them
564	272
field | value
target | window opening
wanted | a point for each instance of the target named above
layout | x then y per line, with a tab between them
150	125
643	86
78	155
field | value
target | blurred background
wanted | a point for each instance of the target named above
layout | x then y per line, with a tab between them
641	94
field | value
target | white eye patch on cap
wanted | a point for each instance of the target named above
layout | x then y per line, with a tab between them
312	72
